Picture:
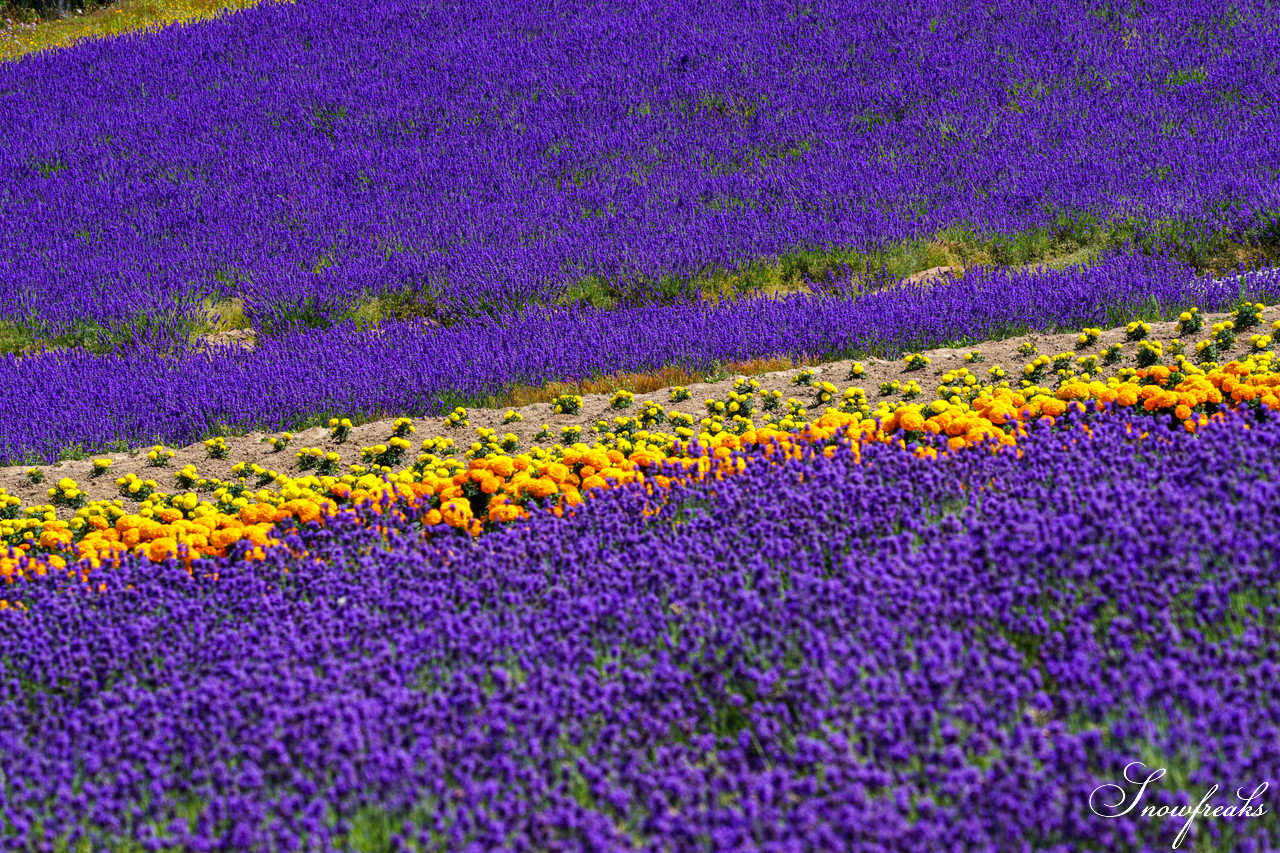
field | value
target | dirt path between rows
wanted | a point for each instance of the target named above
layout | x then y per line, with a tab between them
252	449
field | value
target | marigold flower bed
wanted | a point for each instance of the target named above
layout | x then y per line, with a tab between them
495	488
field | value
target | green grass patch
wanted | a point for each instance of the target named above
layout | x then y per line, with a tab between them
413	304
1070	241
25	338
221	315
32	336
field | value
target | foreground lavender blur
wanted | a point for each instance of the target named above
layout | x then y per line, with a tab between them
490	156
889	655
61	399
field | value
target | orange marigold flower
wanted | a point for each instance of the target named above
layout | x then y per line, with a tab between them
162	549
1053	408
501	466
911	421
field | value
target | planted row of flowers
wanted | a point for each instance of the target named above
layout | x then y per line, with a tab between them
490	483
65	399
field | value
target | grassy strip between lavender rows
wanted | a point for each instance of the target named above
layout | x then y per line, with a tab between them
848	271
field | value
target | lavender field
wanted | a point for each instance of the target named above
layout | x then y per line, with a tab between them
1007	580
302	157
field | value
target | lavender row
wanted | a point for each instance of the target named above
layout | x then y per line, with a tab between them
61	399
488	157
886	655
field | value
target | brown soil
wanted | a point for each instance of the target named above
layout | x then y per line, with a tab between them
932	273
232	337
251	448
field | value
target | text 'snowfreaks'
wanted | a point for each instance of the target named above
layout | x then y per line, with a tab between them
1250	805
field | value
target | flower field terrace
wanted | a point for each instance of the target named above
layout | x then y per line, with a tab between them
282	167
497	479
72	399
795	656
